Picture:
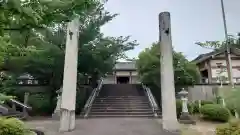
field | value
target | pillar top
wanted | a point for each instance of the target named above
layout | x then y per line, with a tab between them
164	13
183	92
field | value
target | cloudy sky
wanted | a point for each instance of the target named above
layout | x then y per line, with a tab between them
192	21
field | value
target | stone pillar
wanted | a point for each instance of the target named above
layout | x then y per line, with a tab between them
236	114
67	111
199	104
26	96
169	116
185	117
223	102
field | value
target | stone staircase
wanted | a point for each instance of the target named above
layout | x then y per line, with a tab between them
121	100
7	111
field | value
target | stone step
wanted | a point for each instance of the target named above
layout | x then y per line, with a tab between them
121	110
117	100
121	113
120	116
121	102
121	105
137	96
121	97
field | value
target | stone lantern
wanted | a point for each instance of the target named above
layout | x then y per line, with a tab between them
26	80
183	94
185	116
56	113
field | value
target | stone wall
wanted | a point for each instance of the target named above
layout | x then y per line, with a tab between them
207	92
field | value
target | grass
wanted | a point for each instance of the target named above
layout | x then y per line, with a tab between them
194	131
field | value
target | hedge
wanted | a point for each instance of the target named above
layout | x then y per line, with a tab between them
13	126
215	112
41	104
195	105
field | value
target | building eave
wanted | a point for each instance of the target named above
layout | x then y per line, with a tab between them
212	54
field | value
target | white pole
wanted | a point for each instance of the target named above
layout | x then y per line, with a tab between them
169	116
228	53
67	119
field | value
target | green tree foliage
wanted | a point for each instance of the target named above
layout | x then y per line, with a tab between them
33	37
149	69
232	41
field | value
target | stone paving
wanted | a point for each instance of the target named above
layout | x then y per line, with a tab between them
106	126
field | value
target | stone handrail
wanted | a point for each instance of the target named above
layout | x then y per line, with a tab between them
91	98
20	104
4	109
151	99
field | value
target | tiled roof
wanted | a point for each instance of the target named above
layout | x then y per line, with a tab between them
206	56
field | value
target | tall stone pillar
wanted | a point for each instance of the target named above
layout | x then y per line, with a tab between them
169	116
67	111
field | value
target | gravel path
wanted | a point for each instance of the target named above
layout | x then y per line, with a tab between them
106	126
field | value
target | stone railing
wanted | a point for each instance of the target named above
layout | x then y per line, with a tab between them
151	99
91	98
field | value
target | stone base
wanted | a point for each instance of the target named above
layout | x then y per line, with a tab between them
185	118
170	125
67	120
56	115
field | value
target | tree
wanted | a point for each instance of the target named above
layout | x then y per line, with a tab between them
148	64
36	43
45	47
232	42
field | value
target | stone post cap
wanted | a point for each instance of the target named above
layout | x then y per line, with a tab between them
183	93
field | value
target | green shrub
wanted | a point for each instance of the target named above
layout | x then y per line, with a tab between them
231	128
4	97
232	101
41	104
195	105
204	102
81	98
179	108
195	108
231	108
12	126
215	112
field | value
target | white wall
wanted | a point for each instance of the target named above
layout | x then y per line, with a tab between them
123	73
135	80
215	71
134	73
109	80
234	62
